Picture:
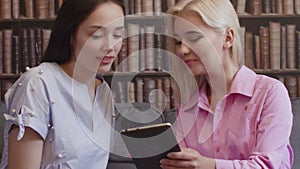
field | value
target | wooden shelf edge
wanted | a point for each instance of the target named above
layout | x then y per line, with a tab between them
278	72
268	16
8	76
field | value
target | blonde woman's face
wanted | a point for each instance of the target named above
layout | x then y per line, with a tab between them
197	44
98	39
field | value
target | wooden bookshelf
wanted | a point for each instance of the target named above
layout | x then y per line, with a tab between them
278	55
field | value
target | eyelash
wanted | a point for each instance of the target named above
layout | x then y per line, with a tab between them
178	42
194	39
95	37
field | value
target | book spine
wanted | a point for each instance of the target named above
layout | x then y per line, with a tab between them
264	46
150	60
142	47
158	51
241	6
123	65
29	9
46	36
297	7
41	9
31	43
291	56
149	86
7	49
288	7
298	49
157	7
266	6
256	7
16	54
133	47
273	6
257	51
147	8
1	51
15	9
159	95
291	85
249	62
39	43
51	8
138	7
139	90
283	48
275	45
279	6
131	92
167	91
5	9
25	48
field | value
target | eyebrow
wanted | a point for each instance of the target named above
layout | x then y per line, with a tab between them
101	27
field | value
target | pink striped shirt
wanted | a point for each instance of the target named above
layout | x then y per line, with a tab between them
249	128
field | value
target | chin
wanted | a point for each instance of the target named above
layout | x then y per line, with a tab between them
104	69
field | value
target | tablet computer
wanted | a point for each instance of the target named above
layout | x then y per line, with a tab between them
147	145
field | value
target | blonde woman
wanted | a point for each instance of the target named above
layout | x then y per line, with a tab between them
237	119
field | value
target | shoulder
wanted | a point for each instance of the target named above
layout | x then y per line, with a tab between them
268	83
42	74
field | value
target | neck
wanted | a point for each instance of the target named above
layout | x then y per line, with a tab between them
83	76
219	85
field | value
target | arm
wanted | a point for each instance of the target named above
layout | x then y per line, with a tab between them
27	152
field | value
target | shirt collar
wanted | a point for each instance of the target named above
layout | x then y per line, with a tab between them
244	82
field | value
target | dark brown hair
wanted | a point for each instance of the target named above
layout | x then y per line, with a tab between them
70	15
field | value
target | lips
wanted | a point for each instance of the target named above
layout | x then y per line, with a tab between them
107	60
189	62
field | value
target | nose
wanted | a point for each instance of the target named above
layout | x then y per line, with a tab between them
108	44
182	49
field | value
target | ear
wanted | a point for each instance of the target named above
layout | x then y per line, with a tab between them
228	39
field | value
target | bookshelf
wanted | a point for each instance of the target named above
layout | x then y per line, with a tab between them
271	39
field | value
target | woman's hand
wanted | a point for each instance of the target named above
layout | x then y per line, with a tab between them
187	158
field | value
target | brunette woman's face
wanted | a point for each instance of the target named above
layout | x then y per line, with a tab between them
197	44
98	39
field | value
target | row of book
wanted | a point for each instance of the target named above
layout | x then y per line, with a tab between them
277	46
22	48
259	7
29	9
158	90
143	49
147	7
154	90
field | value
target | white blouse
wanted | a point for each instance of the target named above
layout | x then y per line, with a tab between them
76	132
